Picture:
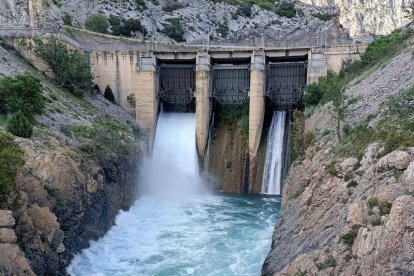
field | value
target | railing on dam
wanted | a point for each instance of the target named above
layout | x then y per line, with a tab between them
322	40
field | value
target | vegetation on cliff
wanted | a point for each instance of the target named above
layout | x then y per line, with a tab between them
11	162
22	97
235	114
348	202
379	51
72	68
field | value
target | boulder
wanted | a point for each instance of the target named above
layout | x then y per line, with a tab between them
7	235
13	262
357	215
395	160
6	218
348	164
408	175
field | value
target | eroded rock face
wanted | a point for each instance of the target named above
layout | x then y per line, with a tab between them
66	200
12	261
374	17
376	217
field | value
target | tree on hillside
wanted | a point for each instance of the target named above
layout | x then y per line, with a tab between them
108	94
339	109
97	23
22	92
72	68
174	30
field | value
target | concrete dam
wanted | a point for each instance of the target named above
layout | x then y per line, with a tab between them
204	79
200	81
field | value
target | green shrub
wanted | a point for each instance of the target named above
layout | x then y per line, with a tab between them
301	139
244	10
133	25
385	208
19	125
72	68
97	23
87	148
323	16
140	4
376	221
223	29
396	129
173	6
329	262
352	184
348	238
380	49
241	114
22	92
126	27
108	94
174	30
11	161
115	23
55	193
372	202
67	19
131	100
286	9
331	168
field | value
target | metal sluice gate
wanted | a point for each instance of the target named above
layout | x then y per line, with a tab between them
231	84
285	82
177	83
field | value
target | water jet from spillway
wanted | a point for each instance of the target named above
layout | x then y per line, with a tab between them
272	175
176	228
173	169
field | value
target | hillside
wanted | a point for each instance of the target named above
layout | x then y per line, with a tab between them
348	203
79	170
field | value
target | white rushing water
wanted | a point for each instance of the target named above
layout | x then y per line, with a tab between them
272	174
177	228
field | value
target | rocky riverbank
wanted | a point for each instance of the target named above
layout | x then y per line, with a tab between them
350	213
80	170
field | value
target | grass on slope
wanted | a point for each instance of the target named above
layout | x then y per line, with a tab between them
378	53
395	129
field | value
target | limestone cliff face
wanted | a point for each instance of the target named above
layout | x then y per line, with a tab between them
66	199
362	17
342	216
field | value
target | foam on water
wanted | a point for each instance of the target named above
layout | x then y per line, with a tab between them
177	229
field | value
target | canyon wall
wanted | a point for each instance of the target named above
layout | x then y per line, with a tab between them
348	211
375	17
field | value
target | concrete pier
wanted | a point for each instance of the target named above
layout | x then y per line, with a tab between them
203	102
146	95
257	102
256	111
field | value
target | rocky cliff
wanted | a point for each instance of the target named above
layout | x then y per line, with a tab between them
80	170
348	212
362	18
221	21
201	20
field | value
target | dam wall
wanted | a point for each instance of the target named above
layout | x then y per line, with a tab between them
201	79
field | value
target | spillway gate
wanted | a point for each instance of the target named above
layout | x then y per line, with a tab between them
177	83
285	82
231	84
